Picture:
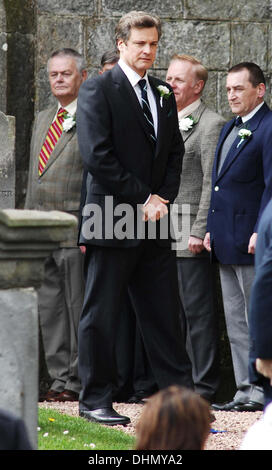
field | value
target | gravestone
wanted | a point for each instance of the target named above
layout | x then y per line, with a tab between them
7	161
26	239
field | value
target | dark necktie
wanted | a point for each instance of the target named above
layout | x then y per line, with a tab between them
228	142
238	121
147	110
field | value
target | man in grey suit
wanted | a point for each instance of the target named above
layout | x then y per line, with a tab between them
55	178
200	128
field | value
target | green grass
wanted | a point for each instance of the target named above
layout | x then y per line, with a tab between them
81	433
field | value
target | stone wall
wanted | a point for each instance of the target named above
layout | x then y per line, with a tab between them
218	33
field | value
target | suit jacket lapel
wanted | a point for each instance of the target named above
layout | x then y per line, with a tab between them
44	125
129	95
196	115
64	139
237	147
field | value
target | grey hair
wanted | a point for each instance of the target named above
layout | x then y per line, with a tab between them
67	52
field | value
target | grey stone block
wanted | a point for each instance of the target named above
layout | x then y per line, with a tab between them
78	7
228	10
7	161
208	42
254	48
162	8
100	38
3	70
19	356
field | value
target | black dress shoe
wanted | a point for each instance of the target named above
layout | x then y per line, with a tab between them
249	406
229	406
104	416
139	397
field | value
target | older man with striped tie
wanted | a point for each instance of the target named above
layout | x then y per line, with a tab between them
55	178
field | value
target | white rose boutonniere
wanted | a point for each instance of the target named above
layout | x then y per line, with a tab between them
164	92
185	124
69	122
244	134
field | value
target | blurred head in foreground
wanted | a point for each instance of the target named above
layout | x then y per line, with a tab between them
175	418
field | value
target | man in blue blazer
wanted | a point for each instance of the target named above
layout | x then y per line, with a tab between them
241	188
260	312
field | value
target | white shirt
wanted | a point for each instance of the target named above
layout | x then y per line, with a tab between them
251	114
134	78
189	109
70	108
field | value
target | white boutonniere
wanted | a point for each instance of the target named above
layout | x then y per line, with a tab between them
69	122
244	134
185	124
164	93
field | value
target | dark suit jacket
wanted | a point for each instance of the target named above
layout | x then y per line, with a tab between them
13	433
260	312
241	190
118	153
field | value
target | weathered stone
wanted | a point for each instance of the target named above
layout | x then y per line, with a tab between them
228	10
19	356
7	162
26	239
3	71
100	38
78	7
162	8
252	50
20	16
54	33
209	42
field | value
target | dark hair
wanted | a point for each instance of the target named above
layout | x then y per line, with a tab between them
109	57
256	75
66	51
136	19
175	418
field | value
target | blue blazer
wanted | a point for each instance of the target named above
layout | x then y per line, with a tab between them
260	311
241	190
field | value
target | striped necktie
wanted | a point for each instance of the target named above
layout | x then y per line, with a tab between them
53	135
146	109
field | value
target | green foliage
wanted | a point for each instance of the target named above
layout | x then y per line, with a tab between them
81	435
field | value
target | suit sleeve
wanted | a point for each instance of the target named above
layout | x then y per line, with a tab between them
260	324
170	187
94	127
209	139
29	195
267	171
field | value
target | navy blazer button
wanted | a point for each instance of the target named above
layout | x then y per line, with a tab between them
216	188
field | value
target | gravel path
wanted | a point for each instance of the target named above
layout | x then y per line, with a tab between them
235	424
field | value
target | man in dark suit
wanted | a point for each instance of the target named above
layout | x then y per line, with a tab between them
54	183
260	318
132	149
241	188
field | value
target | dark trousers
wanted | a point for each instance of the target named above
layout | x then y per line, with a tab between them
198	296
150	273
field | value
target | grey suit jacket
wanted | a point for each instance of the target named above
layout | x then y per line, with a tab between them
59	186
195	184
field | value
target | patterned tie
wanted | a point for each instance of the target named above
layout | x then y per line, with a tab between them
53	135
147	110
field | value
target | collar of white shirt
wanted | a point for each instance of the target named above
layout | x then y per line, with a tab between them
70	108
251	114
189	109
132	76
